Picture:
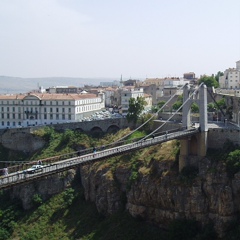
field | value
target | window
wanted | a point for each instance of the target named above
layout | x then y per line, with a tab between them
45	116
45	109
19	116
8	116
69	117
2	115
19	123
8	109
50	109
69	103
63	103
2	109
69	110
57	110
14	124
2	123
63	110
13	116
57	116
63	117
51	116
13	109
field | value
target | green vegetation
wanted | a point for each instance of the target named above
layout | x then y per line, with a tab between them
233	162
209	81
158	106
136	106
178	103
68	216
229	154
79	219
219	74
149	125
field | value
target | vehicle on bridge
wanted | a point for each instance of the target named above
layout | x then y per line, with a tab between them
33	169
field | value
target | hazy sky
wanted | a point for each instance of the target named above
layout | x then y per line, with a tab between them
107	38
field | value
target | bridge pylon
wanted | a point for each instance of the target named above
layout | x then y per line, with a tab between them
194	148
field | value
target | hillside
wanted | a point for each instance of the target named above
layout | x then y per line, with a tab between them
133	196
23	85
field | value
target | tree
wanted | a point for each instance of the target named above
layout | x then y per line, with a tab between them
219	74
209	81
221	104
178	103
194	108
211	107
144	118
159	105
136	106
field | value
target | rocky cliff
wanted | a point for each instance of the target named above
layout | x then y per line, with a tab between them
161	194
45	188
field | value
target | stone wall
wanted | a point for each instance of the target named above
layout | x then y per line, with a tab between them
217	137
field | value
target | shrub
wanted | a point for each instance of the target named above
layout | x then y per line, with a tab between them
69	196
233	162
37	200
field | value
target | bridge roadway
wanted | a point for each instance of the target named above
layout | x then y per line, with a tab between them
17	178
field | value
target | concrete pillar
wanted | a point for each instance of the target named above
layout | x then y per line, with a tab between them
202	144
186	113
183	162
203	108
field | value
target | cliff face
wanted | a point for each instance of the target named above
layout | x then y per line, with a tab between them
45	187
163	195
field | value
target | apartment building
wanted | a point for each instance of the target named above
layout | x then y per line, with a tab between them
45	108
131	92
231	77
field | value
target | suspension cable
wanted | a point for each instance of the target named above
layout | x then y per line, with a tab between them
174	113
155	114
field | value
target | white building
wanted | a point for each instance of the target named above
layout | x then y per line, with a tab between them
130	92
175	82
45	108
231	77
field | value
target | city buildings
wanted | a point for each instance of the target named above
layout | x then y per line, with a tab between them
46	108
132	92
231	77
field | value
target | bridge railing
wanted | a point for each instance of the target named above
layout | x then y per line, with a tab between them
51	168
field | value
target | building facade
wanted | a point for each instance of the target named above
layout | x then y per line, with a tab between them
231	77
126	94
35	109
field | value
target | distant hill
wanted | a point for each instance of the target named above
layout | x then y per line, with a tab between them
23	85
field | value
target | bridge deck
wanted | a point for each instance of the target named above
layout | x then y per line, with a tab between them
60	166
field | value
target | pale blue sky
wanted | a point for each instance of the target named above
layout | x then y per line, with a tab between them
107	38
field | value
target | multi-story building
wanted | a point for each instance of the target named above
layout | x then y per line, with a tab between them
131	92
231	77
159	82
45	108
189	76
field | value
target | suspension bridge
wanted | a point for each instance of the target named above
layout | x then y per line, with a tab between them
120	147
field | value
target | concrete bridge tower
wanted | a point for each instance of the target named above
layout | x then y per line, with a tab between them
194	147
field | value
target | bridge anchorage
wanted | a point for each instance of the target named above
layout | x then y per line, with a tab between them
194	147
